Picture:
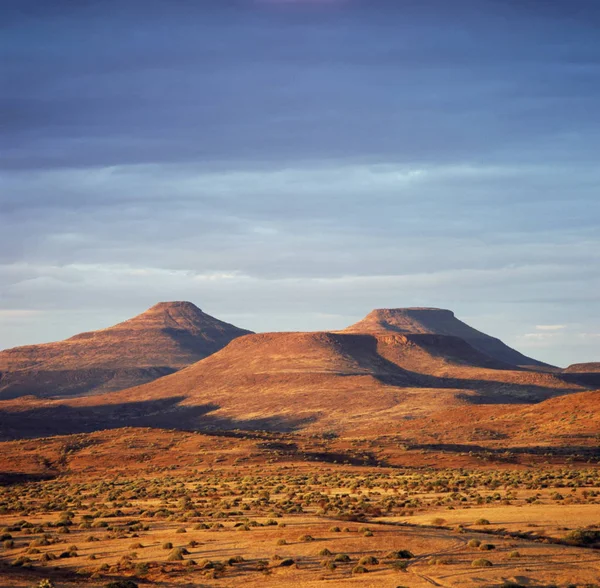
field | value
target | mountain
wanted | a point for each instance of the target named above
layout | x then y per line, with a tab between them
350	383
437	321
165	338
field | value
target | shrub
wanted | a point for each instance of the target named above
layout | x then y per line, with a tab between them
482	522
359	570
438	522
368	560
481	563
281	542
487	547
514	554
474	543
121	584
325	551
167	545
401	554
335	529
176	554
582	537
341	558
306	538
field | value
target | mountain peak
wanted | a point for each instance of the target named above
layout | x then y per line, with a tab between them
174	305
438	321
166	337
411	311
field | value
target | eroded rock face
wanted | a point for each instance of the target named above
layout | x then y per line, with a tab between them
165	338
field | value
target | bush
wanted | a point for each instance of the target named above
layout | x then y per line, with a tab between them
167	545
482	522
487	547
401	554
368	560
121	584
176	554
341	558
306	538
474	543
481	563
582	537
359	570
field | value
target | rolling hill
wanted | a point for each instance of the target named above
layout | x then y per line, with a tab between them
165	338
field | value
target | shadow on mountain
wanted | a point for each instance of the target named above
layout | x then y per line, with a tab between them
57	384
488	391
164	413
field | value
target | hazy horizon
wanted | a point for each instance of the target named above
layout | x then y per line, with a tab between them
293	164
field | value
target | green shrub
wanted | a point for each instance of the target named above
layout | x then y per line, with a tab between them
481	563
401	554
341	558
359	570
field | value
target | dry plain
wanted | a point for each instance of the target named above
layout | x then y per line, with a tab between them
168	508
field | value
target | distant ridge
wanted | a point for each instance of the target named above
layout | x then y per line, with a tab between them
439	321
584	368
165	338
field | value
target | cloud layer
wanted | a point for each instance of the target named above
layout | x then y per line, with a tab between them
293	165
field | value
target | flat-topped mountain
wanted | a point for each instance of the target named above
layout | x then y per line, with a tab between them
439	321
165	338
321	381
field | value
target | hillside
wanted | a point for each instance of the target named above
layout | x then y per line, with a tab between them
584	368
436	321
569	421
343	382
165	338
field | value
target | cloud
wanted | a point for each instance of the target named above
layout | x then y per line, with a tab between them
550	327
259	161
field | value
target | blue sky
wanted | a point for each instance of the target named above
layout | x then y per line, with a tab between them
290	165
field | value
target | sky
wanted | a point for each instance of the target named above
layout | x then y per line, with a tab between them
293	164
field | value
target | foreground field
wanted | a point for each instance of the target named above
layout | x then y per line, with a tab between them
181	509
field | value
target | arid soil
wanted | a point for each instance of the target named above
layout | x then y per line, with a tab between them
165	508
